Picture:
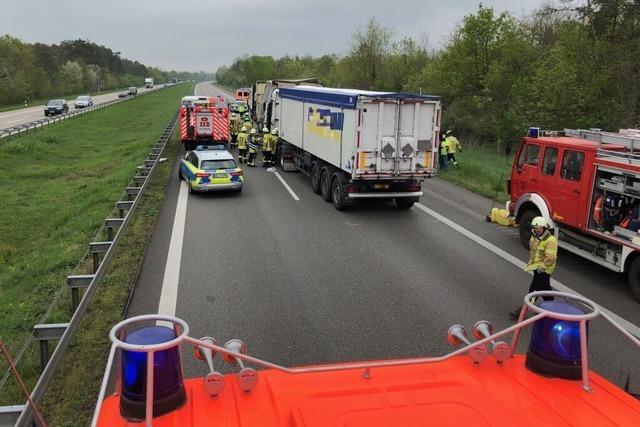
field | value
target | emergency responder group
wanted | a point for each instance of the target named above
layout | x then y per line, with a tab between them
250	142
449	146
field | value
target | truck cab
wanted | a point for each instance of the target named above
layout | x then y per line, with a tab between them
587	185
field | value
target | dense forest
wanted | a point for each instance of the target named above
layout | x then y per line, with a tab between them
562	66
39	71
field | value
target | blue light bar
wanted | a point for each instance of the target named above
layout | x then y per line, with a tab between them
554	349
168	387
533	132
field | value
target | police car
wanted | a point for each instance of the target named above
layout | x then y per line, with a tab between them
211	168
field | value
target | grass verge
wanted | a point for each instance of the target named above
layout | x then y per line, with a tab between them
78	379
482	170
59	184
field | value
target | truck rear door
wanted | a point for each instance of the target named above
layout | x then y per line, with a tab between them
397	136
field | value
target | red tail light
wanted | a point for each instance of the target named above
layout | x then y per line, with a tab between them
351	189
239	173
202	175
414	187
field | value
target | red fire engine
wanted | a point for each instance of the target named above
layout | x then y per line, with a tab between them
586	183
203	121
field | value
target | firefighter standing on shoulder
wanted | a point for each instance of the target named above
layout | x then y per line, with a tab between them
543	253
242	145
266	147
453	145
254	144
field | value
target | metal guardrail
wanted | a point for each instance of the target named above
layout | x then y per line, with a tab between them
22	414
25	127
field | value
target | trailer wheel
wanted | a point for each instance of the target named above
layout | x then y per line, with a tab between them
325	184
314	174
337	192
404	202
633	279
525	227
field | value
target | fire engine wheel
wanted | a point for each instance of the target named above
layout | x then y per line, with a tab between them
325	184
525	227
633	279
314	174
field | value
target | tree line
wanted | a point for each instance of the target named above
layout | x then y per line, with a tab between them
564	65
39	71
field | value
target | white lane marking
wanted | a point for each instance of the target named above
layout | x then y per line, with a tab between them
289	189
633	329
169	293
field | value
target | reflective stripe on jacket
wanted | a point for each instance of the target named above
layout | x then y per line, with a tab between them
242	140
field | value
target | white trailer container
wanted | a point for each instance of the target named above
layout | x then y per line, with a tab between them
148	82
358	144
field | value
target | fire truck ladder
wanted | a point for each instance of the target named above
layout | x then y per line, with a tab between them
603	138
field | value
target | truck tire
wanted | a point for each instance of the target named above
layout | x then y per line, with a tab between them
404	202
314	174
633	278
337	192
525	227
325	184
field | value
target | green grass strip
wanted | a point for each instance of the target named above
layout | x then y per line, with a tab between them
58	186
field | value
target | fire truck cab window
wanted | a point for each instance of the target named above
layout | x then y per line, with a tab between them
550	160
572	165
529	155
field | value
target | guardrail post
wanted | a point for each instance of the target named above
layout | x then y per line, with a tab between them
144	170
112	223
97	248
153	156
122	205
75	283
45	332
139	180
132	192
10	414
149	163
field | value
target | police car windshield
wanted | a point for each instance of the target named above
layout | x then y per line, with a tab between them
218	164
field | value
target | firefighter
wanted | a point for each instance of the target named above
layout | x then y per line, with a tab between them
247	121
543	253
270	147
254	145
234	128
453	146
444	155
266	147
242	145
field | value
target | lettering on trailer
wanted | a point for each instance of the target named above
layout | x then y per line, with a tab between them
325	123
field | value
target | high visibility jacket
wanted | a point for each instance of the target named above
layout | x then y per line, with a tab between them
444	147
269	142
453	144
248	125
235	127
254	142
242	140
543	253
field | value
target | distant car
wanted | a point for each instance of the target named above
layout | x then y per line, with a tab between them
133	90
239	107
56	106
83	101
123	93
211	168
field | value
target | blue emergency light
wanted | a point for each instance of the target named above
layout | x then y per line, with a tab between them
168	387
554	349
533	132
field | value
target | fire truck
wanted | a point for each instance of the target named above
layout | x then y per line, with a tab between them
586	184
203	121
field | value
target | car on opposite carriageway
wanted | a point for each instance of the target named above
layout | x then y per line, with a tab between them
211	168
56	106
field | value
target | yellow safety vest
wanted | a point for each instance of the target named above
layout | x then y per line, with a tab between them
543	253
242	140
453	144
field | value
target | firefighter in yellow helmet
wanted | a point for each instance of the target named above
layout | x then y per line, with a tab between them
242	144
254	143
543	254
266	147
234	129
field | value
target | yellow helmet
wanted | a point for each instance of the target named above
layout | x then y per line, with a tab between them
253	131
265	129
274	131
243	129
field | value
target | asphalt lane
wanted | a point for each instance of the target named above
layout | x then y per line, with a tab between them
302	283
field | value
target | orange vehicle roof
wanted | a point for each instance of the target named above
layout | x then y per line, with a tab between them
452	392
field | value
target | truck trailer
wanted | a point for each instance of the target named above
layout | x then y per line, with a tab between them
265	92
148	83
358	144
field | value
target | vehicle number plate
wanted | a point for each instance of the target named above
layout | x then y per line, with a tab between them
381	186
220	175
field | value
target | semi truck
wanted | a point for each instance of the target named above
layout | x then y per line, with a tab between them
203	121
586	184
358	144
148	83
261	103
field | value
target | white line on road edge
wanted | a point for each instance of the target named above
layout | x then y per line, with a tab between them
294	195
633	329
169	293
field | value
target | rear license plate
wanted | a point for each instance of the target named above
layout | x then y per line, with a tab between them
381	186
220	175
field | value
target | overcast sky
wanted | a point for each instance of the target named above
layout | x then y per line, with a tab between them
202	35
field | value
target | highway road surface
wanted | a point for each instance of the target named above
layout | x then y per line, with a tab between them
303	283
